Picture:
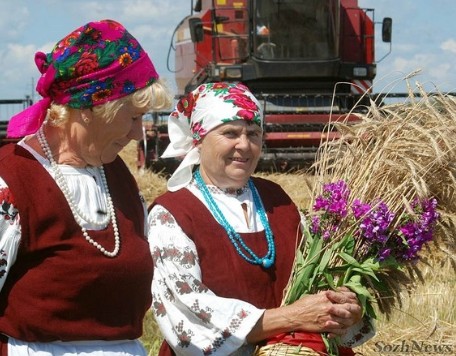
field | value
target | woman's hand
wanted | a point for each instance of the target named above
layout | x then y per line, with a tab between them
328	311
348	315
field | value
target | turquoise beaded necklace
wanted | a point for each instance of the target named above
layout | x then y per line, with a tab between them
242	249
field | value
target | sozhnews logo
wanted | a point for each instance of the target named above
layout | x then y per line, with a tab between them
413	347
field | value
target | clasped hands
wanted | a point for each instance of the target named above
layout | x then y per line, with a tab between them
332	312
328	311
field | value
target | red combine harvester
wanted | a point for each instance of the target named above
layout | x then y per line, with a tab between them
9	107
309	62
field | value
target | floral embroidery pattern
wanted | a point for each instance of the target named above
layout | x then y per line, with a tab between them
183	287
219	341
185	105
184	336
204	314
159	308
164	218
198	131
185	258
7	209
199	286
363	333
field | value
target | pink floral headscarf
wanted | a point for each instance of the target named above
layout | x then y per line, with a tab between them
96	63
202	110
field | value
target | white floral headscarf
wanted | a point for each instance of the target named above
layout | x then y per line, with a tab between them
205	108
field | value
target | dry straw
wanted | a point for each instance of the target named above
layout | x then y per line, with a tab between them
283	350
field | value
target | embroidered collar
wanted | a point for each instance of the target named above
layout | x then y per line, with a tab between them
234	191
226	191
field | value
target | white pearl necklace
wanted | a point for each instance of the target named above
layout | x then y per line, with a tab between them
79	216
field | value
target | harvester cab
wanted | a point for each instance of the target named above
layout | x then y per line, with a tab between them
309	62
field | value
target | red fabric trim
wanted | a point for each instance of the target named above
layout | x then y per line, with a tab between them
313	341
310	340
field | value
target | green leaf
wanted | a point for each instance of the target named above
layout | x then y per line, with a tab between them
315	248
331	345
356	278
347	275
329	279
325	260
371	263
359	289
349	245
370	311
390	262
366	271
299	258
349	259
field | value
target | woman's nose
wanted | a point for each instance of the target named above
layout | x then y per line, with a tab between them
243	141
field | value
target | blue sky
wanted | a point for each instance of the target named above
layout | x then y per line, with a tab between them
424	37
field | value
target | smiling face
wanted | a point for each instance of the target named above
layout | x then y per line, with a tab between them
100	141
230	154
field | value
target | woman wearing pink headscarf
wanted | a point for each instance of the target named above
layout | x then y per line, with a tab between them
75	270
223	242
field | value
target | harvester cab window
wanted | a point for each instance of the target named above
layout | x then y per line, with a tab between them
295	29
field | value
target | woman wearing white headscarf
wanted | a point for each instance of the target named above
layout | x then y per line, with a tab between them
223	242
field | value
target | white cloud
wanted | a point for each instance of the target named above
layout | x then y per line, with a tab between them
143	9
21	69
407	65
449	45
128	12
429	70
13	20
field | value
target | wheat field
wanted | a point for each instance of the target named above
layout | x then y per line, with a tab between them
423	324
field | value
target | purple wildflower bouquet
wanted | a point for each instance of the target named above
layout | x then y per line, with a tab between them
356	244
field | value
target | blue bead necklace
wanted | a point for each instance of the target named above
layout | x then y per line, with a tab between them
268	260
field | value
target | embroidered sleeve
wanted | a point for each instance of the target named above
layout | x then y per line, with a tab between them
359	333
192	319
10	232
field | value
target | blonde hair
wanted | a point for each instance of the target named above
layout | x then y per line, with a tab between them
154	97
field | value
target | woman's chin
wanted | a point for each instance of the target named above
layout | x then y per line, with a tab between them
241	172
